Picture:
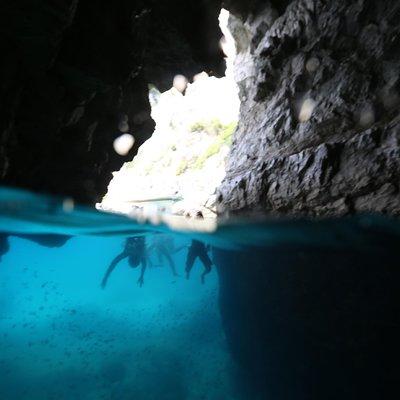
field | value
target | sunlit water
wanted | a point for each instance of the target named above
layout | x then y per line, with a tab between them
64	337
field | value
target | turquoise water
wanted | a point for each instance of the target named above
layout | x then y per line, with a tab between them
289	309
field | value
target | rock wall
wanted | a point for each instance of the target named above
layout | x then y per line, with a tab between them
319	84
314	322
71	70
319	123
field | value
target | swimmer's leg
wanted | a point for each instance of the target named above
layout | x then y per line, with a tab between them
190	259
206	261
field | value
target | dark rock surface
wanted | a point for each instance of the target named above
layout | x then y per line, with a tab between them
319	128
71	70
309	322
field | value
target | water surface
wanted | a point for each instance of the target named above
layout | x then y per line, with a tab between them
289	308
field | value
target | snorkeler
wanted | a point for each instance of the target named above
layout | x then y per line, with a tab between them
135	250
163	245
47	240
198	249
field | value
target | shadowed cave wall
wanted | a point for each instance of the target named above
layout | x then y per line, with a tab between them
71	69
314	322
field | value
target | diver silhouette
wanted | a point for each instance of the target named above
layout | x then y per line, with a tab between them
135	250
198	250
163	245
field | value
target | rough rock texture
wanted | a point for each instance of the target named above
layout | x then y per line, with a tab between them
319	131
311	322
73	70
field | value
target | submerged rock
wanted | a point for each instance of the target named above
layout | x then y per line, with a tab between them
314	322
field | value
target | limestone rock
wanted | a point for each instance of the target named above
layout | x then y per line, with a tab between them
340	153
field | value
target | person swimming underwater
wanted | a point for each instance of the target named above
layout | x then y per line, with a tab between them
163	246
135	250
198	250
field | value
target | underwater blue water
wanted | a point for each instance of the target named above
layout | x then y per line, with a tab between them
64	337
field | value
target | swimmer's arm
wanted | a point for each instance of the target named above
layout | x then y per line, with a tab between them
142	271
112	267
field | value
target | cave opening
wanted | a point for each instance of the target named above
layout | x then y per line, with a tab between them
179	168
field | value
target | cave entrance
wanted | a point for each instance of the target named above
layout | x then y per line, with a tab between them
180	167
